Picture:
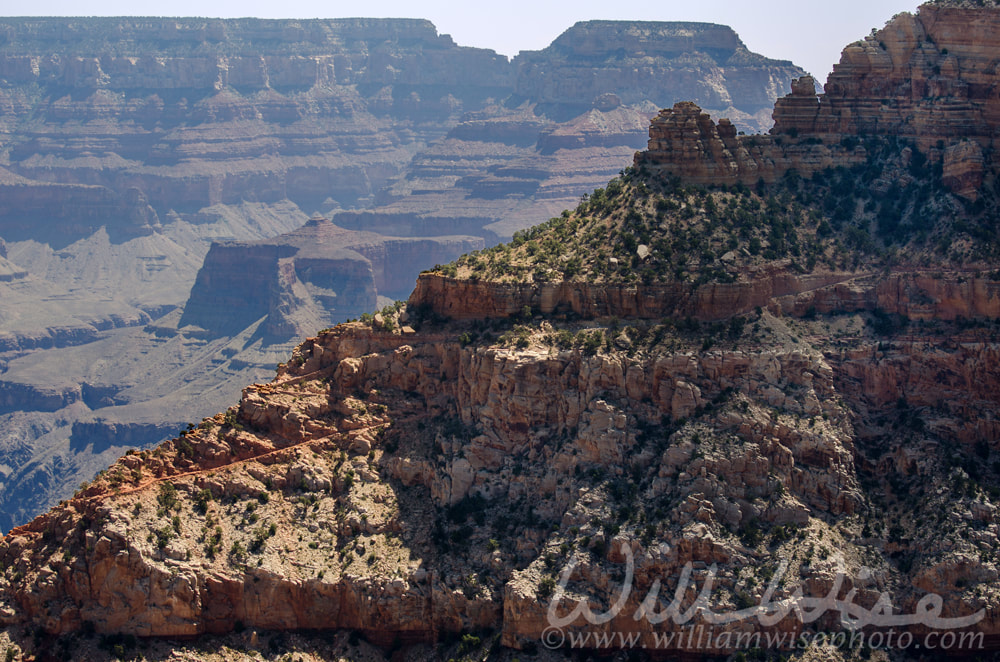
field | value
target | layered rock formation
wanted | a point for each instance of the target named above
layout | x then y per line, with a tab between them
143	141
686	142
670	390
152	103
408	485
722	397
917	294
595	58
928	78
156	105
311	278
509	459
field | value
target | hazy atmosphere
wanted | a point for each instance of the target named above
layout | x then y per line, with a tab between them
808	33
404	332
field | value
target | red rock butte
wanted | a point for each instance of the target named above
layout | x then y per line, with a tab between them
928	78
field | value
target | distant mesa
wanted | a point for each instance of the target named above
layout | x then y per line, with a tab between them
308	279
644	60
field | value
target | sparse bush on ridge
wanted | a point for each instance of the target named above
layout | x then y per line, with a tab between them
641	229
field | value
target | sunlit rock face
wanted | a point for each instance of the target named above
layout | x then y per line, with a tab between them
927	78
793	414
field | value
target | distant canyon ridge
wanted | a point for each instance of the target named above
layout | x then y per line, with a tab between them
157	177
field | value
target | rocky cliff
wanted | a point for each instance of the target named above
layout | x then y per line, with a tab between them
673	405
311	278
927	78
144	141
411	484
707	64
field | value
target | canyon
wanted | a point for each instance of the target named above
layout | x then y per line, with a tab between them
158	176
678	380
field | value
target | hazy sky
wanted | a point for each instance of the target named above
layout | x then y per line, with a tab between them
809	33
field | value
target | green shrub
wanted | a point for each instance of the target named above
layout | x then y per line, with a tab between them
163	536
167	499
201	500
546	587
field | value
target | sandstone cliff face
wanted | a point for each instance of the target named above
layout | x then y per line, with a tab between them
891	81
916	295
463	299
378	455
927	78
684	141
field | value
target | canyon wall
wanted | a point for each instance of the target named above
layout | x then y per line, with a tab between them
927	78
420	476
150	103
158	104
132	148
427	488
